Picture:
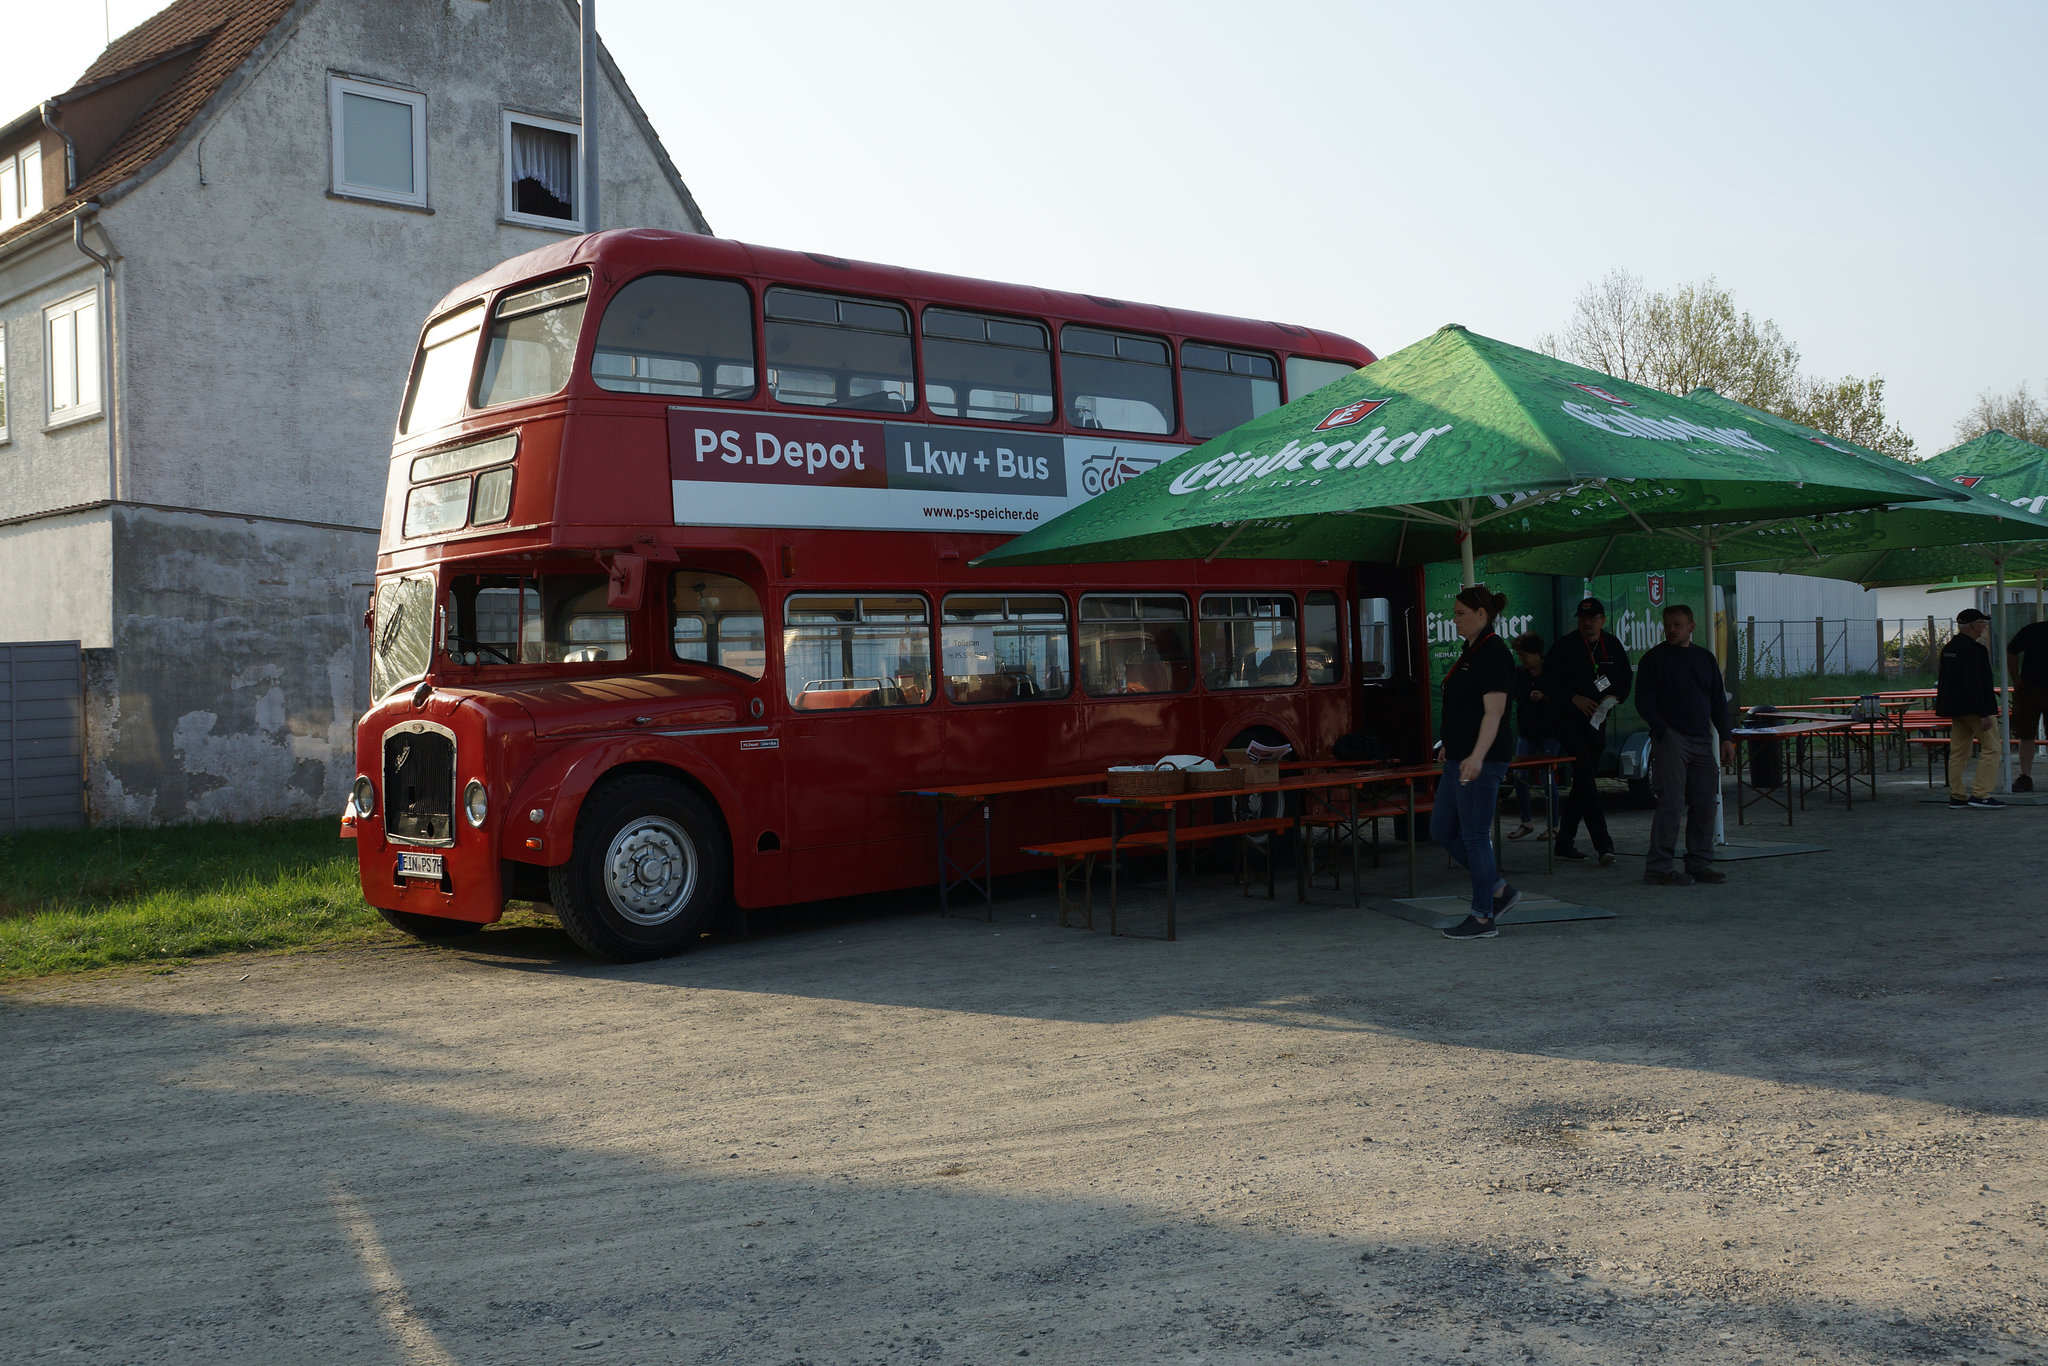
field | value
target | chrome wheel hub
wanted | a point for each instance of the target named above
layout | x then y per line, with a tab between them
650	870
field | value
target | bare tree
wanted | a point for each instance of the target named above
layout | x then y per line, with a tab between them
1609	328
2018	414
1678	340
1850	408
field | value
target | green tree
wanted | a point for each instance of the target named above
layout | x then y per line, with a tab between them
1694	335
2018	414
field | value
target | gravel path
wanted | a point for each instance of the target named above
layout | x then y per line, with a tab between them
1795	1118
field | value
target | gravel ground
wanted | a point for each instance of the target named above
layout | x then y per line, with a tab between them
1796	1117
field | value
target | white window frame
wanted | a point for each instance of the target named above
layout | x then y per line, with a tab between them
4	410
533	220
338	86
70	308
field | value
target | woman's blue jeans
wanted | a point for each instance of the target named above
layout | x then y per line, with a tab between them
1462	822
1520	777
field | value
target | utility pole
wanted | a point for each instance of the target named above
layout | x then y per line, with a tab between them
586	141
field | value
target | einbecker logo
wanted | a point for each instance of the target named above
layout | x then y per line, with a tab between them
1656	590
1597	392
1969	481
1350	413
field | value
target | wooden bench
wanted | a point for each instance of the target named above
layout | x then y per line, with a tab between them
1072	856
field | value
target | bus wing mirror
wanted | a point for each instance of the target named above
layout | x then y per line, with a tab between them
628	581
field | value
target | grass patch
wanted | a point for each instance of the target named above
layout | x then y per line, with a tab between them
79	899
1796	688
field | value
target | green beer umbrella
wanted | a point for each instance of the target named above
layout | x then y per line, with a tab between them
1403	460
1944	537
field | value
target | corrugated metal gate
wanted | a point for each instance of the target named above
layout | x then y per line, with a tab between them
42	737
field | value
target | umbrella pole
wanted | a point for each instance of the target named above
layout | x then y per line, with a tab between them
2005	696
1714	643
1465	544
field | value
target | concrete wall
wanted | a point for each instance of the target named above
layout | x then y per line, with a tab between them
239	666
264	333
55	574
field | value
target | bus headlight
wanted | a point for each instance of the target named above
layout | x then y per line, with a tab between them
474	804
364	797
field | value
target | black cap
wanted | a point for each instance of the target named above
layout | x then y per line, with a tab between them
1591	608
1970	616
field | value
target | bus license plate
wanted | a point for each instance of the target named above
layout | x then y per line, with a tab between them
421	865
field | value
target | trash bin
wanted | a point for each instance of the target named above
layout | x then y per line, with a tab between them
1766	757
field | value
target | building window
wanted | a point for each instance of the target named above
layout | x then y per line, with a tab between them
21	186
71	340
540	172
380	141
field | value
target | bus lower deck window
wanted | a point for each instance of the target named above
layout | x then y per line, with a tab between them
500	619
1249	641
995	648
1322	625
1135	643
716	619
846	652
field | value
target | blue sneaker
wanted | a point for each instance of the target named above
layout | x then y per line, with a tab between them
1472	927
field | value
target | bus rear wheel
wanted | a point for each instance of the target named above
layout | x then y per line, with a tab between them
648	874
428	926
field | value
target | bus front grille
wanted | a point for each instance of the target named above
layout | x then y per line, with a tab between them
419	786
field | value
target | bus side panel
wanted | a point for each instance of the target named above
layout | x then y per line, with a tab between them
851	828
744	786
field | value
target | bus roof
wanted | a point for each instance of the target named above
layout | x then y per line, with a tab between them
625	252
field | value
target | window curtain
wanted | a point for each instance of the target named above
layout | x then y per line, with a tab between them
546	157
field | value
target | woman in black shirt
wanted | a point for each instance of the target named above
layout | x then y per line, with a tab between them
1476	749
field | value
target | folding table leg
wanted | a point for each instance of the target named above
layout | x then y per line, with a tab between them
1355	900
1411	837
1172	866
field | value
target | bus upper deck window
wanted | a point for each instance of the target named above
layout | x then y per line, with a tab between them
825	351
1305	374
1249	642
440	373
679	335
993	369
533	342
1224	389
1116	383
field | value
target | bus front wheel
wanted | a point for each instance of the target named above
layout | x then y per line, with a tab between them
648	874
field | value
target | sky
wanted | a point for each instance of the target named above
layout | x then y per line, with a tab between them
1868	175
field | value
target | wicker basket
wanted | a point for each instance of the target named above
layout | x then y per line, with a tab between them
1146	782
1250	774
1216	780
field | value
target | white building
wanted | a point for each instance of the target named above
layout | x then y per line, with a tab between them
216	251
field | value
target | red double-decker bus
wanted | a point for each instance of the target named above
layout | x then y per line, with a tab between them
674	593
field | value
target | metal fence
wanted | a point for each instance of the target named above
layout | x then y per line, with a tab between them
42	737
1891	646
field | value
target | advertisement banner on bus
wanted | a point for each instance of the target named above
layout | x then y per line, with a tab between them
735	468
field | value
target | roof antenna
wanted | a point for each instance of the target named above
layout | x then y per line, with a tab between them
107	13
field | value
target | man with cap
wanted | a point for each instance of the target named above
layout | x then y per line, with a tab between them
1965	694
1587	675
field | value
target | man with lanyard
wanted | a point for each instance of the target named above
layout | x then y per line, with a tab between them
1587	675
2026	657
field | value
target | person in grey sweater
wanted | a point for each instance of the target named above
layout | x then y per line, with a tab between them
1680	697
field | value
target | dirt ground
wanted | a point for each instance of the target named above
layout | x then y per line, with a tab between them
1796	1117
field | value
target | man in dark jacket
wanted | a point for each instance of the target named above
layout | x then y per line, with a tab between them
1586	675
1965	694
1681	698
